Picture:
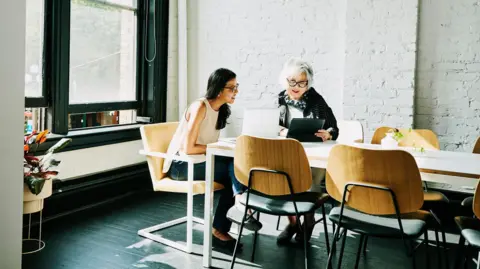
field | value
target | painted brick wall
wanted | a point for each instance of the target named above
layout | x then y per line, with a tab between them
380	63
254	38
448	92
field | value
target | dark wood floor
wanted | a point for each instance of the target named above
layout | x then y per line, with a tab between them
106	237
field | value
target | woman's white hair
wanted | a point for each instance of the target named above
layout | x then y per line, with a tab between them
295	66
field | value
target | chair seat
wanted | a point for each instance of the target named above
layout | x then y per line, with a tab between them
307	202
414	224
435	196
467	202
169	185
470	229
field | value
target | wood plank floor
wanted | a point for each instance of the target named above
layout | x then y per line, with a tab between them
106	237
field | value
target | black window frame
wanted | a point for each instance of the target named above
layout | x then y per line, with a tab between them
151	77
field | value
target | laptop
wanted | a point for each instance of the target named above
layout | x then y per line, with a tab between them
261	122
304	129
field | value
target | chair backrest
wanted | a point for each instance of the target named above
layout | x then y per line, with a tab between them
476	201
411	138
350	131
395	169
156	138
286	155
476	148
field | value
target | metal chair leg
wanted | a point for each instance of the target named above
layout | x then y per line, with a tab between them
305	243
478	260
445	250
342	248
365	241
332	249
325	229
278	222
360	246
427	256
439	255
412	246
460	252
238	240
255	240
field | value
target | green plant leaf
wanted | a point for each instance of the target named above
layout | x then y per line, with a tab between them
59	145
34	184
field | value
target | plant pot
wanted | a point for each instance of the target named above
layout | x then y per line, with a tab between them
34	203
388	142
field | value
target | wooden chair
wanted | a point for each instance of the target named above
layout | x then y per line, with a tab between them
277	173
380	192
156	139
432	199
469	231
350	131
412	138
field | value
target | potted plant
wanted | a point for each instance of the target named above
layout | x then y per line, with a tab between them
39	172
391	139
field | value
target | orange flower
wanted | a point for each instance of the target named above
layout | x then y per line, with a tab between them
40	136
43	139
26	148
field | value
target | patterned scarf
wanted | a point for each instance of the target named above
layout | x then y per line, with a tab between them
300	104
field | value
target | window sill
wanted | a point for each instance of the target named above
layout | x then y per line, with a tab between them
95	137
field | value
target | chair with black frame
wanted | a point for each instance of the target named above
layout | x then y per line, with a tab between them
434	201
381	194
468	202
278	175
470	232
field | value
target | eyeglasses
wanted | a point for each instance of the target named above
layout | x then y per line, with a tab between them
301	84
232	88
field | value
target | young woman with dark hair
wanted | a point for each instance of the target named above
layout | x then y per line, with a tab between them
199	126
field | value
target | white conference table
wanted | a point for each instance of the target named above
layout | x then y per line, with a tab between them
317	153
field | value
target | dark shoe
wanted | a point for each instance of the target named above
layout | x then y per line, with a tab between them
299	236
236	215
287	234
229	244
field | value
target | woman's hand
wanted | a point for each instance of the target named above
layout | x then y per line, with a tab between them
324	135
283	132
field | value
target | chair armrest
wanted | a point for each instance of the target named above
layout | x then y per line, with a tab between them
189	158
467	202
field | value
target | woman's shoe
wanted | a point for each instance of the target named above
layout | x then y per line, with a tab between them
286	235
236	216
228	244
299	236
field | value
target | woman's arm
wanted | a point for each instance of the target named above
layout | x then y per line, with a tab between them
332	123
195	118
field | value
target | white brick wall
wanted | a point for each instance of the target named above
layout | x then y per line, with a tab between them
363	53
254	38
448	90
380	63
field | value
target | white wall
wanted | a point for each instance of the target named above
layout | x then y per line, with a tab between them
448	92
364	53
254	38
88	161
380	63
12	53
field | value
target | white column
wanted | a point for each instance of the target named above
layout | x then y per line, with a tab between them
12	66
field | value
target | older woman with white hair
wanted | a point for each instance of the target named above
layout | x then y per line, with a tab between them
300	100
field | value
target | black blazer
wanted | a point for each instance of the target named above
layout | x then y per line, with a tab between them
316	108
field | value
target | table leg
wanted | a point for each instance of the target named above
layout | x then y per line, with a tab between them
208	212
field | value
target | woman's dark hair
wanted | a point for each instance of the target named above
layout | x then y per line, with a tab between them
216	83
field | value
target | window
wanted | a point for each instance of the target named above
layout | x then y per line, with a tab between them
102	52
92	64
34	120
105	118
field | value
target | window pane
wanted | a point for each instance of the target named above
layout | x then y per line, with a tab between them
102	53
107	118
34	48
34	119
